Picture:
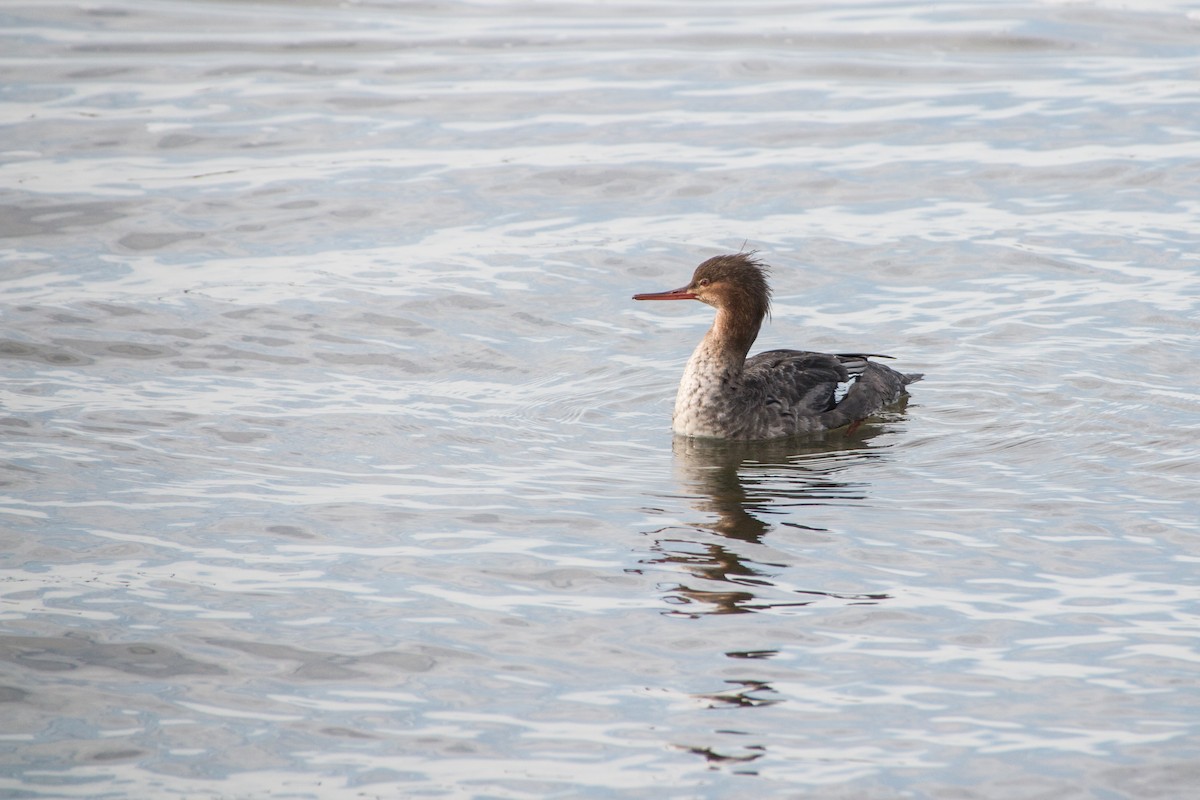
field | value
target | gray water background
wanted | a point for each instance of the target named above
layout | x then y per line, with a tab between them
337	461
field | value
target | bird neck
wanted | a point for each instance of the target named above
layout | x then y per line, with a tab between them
731	336
710	396
716	365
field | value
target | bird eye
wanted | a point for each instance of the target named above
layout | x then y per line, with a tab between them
703	281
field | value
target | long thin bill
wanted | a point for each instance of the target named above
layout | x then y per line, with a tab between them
674	294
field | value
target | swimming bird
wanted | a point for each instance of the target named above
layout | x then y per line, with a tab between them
725	395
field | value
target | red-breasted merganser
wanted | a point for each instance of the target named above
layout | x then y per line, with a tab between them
724	395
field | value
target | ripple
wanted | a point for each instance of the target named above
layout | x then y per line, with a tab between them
331	433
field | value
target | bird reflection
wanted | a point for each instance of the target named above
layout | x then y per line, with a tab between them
746	492
741	481
713	757
743	485
744	694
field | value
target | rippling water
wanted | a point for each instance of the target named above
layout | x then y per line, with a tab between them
337	462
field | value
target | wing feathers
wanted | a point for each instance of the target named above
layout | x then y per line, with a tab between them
837	389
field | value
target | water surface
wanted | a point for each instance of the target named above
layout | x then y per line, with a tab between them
337	461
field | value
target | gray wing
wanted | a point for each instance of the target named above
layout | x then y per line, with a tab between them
836	389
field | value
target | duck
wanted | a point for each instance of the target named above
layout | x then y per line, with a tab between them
776	393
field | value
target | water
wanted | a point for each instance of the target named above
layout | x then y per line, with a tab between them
337	460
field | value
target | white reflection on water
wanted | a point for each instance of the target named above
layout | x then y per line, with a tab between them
149	174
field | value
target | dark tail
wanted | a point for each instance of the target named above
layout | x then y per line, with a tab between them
878	386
